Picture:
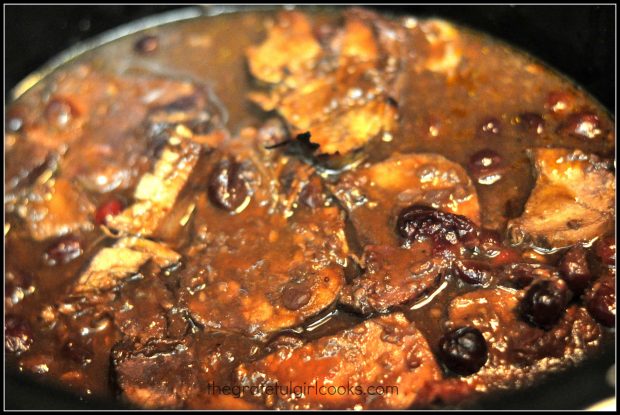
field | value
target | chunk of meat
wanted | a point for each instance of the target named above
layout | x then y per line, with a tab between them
54	208
385	351
394	276
157	192
143	306
444	51
290	47
181	373
517	352
572	201
105	153
121	260
373	196
243	282
268	261
161	374
344	99
58	123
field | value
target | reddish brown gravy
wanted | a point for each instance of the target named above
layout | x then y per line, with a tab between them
495	100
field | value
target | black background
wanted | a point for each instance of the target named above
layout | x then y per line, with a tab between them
579	41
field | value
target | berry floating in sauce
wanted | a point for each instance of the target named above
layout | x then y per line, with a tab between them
227	189
64	250
544	303
108	209
463	350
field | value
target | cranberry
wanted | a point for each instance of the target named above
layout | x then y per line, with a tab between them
108	209
17	335
490	126
472	271
531	122
559	102
227	189
147	44
544	303
295	296
581	124
463	350
605	249
59	112
601	302
574	269
418	222
64	250
486	166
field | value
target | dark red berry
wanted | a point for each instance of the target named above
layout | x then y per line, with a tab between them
418	222
605	249
545	303
463	351
472	271
147	44
486	166
227	188
295	296
574	269
107	210
581	124
64	250
531	122
601	302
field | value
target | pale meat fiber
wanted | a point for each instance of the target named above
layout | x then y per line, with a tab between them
573	200
157	192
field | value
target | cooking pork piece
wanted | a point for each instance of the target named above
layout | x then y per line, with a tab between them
73	151
123	259
394	276
157	191
374	196
370	357
55	208
572	201
290	48
338	92
270	249
179	373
